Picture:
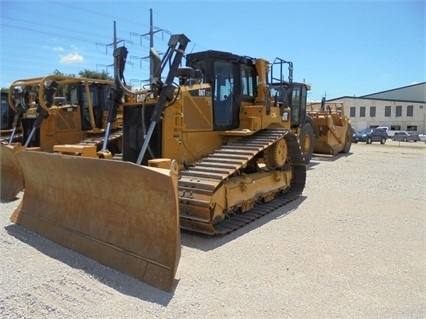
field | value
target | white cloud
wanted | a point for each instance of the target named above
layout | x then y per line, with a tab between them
71	58
58	49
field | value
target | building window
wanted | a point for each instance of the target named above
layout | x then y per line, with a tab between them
409	110
395	127
387	111
362	111
412	128
372	111
398	112
352	111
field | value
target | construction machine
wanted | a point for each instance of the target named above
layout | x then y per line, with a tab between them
293	95
320	128
6	123
205	149
332	128
54	111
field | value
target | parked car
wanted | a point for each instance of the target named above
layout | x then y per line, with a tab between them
370	135
422	137
404	136
383	128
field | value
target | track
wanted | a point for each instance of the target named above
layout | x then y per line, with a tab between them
198	183
5	137
98	140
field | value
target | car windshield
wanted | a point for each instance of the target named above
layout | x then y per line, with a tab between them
366	131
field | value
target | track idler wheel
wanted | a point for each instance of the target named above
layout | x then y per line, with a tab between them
275	156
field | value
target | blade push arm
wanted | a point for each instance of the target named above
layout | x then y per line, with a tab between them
173	56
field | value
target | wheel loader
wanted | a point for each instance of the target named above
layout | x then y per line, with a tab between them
55	111
205	149
320	129
294	96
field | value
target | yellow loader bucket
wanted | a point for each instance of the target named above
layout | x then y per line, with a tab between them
118	213
12	181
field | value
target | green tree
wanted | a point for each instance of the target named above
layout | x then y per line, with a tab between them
95	75
87	74
57	72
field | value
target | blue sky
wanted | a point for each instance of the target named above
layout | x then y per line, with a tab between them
339	47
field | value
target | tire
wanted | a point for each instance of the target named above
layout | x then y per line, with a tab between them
306	141
393	138
383	140
348	140
369	140
405	139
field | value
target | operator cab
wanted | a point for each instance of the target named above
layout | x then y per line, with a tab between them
288	93
291	95
233	81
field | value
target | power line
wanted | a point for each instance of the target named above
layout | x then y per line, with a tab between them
151	34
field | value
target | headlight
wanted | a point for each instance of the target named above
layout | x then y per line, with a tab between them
284	117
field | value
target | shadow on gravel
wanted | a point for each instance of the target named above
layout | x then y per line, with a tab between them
207	242
116	280
128	285
3	201
326	158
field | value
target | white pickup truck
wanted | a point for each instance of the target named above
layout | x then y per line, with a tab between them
391	133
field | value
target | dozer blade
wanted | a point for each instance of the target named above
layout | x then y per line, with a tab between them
118	213
12	181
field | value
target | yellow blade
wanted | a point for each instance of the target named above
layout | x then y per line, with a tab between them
118	213
12	181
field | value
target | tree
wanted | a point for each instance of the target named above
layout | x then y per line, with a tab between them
87	74
57	72
95	75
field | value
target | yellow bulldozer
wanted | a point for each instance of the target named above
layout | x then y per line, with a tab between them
6	121
206	148
53	111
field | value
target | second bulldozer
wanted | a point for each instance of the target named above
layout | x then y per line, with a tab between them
207	150
54	111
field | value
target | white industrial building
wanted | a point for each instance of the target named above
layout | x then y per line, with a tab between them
402	108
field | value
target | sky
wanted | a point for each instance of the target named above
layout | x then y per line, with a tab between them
341	48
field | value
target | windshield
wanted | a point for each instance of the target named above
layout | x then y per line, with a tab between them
366	131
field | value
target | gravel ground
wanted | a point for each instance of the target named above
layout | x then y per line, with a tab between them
353	246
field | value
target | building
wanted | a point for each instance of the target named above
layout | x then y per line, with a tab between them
402	108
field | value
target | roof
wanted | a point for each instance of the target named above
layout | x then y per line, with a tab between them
410	93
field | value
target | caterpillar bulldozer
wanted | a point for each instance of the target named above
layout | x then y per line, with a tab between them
6	122
206	148
54	111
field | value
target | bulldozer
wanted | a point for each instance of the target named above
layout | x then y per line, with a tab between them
205	149
6	122
54	111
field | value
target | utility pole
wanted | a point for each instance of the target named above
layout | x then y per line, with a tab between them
151	43
114	44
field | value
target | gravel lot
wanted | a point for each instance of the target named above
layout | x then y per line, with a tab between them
353	246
